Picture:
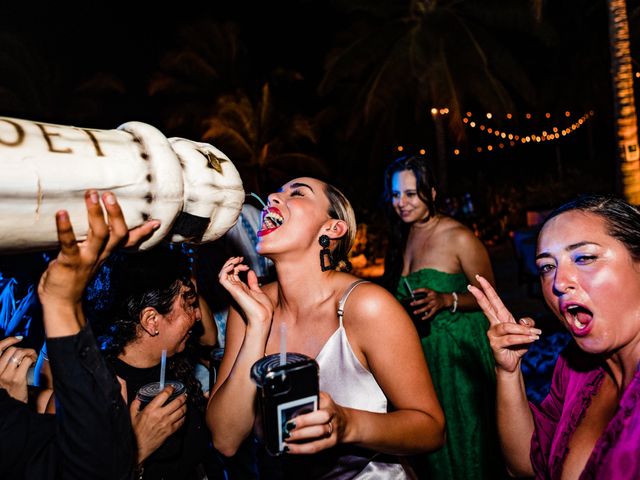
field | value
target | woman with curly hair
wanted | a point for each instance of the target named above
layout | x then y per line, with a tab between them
151	305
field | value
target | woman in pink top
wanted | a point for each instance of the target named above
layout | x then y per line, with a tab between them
588	257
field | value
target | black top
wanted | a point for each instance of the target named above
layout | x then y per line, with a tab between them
89	437
187	452
27	441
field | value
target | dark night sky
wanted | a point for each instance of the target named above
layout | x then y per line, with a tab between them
128	41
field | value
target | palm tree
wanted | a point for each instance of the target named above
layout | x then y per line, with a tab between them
625	111
405	58
266	145
203	88
588	69
209	60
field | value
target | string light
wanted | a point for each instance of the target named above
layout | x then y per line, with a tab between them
548	134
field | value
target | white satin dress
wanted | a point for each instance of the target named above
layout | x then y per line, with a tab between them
351	385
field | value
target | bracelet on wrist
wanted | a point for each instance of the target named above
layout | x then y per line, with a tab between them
454	307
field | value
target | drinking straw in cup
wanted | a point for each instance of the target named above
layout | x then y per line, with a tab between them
406	282
283	343
163	367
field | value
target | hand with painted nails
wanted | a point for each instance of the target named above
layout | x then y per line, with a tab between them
509	339
14	364
255	304
62	284
317	430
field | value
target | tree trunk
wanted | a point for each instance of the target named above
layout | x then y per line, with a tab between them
628	155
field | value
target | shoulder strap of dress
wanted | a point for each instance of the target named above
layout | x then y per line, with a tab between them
343	300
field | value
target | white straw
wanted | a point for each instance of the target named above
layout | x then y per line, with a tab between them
163	366
255	195
283	343
406	282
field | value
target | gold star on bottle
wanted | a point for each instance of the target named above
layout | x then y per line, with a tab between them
213	161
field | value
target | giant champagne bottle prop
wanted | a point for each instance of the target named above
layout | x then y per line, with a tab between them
192	188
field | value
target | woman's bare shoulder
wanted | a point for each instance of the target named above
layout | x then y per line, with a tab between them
455	232
451	225
369	300
370	314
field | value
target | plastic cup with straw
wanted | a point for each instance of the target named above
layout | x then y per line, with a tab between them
149	391
163	368
423	327
406	282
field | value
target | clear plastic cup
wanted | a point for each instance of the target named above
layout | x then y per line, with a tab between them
422	326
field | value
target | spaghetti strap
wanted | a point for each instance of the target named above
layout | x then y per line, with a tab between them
343	300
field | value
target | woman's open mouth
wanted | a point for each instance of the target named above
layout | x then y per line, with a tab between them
271	220
579	319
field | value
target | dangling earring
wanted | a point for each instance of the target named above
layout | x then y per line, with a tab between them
325	253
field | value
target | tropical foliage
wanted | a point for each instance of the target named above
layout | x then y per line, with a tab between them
262	140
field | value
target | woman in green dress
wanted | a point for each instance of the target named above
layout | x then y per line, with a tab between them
434	255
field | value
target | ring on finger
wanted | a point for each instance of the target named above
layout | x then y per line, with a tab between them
330	428
16	361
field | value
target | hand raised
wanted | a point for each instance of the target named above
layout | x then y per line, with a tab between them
66	277
255	304
509	339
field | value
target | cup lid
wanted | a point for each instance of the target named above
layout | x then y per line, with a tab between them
271	363
151	390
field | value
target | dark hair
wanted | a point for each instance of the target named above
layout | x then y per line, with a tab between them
621	218
125	286
399	230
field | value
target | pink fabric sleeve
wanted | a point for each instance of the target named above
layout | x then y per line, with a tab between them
546	417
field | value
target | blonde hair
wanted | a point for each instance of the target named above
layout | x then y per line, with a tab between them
340	208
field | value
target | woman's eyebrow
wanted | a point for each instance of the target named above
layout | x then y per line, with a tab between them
580	244
569	248
300	184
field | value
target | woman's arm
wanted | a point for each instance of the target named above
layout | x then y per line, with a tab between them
231	409
379	328
473	260
509	341
94	434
